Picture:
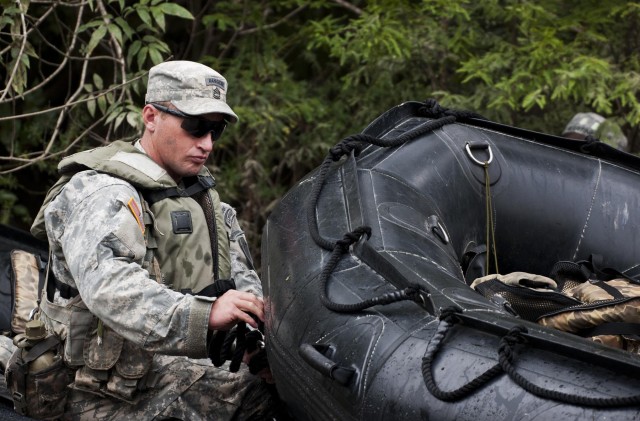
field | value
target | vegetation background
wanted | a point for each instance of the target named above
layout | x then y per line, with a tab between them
302	76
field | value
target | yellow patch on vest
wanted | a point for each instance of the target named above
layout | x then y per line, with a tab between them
135	210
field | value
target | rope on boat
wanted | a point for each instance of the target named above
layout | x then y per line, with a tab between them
341	247
506	354
354	144
448	317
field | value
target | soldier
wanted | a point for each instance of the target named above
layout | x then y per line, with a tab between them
144	253
582	125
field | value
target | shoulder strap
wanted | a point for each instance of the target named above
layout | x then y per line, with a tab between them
156	195
149	262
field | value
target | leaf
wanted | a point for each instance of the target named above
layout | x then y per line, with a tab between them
133	50
96	37
158	15
102	104
144	16
126	28
155	56
97	81
142	56
115	31
118	120
91	107
175	10
133	118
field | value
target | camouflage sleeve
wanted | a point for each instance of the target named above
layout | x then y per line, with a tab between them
242	269
103	249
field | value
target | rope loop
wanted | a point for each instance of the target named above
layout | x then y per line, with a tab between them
514	336
433	109
413	291
352	237
447	316
345	146
450	314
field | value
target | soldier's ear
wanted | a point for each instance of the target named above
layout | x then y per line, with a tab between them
149	117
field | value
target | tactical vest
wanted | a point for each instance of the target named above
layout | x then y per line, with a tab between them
180	253
189	257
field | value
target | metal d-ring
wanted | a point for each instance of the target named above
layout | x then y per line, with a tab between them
468	147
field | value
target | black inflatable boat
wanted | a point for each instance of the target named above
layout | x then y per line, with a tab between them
367	264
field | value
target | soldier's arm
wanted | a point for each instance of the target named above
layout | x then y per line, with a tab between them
103	246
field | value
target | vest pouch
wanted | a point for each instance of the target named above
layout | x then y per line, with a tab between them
134	362
130	372
113	366
90	381
81	322
102	350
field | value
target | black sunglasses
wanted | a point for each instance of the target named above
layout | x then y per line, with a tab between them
195	126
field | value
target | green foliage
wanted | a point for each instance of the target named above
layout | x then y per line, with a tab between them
557	57
305	74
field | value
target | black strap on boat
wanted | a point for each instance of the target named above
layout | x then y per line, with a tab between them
506	355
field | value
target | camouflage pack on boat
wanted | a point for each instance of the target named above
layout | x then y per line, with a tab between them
603	305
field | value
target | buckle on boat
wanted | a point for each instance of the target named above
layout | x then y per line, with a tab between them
470	146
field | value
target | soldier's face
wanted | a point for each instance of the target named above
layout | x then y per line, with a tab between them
179	152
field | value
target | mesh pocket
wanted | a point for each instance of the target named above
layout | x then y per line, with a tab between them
527	303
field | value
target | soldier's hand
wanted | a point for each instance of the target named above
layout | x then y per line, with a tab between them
233	307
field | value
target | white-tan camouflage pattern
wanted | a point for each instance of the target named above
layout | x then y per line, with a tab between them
184	389
588	293
27	276
98	248
192	88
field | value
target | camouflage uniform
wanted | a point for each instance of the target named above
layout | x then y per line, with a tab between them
155	337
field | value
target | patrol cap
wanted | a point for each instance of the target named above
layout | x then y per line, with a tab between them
191	87
584	123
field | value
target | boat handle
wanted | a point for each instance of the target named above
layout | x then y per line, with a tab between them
477	145
313	355
437	229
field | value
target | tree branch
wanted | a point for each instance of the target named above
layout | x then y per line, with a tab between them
22	47
69	104
349	6
64	61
